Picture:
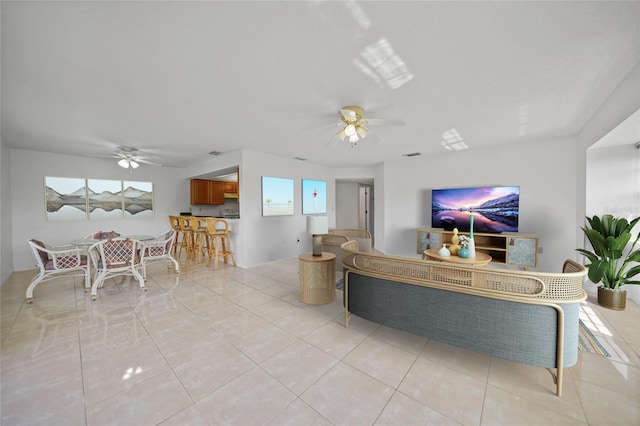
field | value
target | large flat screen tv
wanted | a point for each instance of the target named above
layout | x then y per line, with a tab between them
494	208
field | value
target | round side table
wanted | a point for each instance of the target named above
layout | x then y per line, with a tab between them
317	278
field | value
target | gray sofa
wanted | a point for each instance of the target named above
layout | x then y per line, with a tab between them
525	317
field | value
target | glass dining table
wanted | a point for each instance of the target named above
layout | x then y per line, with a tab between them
88	242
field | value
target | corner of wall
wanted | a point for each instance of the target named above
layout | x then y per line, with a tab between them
6	236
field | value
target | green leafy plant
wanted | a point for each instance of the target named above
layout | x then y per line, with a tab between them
609	236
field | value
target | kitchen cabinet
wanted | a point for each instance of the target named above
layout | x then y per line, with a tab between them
231	187
207	192
216	192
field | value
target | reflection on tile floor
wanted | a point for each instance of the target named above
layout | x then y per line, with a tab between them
236	346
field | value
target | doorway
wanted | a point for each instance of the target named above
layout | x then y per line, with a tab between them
365	210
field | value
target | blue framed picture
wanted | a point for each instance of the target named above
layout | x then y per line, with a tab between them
314	196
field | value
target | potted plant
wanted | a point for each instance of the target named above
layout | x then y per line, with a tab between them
609	237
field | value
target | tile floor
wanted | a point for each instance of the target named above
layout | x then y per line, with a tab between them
236	347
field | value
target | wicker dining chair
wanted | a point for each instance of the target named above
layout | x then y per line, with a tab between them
160	249
118	256
53	263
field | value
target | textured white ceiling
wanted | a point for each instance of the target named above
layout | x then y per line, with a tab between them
178	80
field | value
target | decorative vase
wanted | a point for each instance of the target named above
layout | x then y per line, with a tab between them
472	248
454	247
472	243
444	252
612	299
463	252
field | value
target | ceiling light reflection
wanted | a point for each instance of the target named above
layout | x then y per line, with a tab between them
382	64
358	14
452	141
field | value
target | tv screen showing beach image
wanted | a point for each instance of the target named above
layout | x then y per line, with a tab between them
277	196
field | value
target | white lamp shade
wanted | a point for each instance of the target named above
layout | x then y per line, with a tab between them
317	225
123	163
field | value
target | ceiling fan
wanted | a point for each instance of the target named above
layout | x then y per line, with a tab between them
355	127
130	159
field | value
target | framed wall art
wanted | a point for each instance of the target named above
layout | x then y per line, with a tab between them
314	196
105	199
65	198
137	199
96	199
277	196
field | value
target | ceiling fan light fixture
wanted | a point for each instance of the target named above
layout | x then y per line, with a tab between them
362	131
127	163
350	130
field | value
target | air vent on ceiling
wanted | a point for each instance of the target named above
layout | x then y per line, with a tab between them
412	154
299	158
215	153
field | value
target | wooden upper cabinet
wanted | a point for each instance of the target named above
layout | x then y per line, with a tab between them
216	192
231	187
206	192
199	191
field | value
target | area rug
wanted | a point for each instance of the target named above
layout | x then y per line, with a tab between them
588	342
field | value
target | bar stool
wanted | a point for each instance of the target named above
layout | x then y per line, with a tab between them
187	237
219	242
200	238
174	221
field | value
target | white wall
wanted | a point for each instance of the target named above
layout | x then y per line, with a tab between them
613	184
276	237
28	170
544	170
347	205
6	249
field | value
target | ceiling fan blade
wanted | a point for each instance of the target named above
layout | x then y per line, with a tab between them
348	114
386	122
102	156
143	161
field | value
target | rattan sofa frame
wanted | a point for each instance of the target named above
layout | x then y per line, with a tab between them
522	316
